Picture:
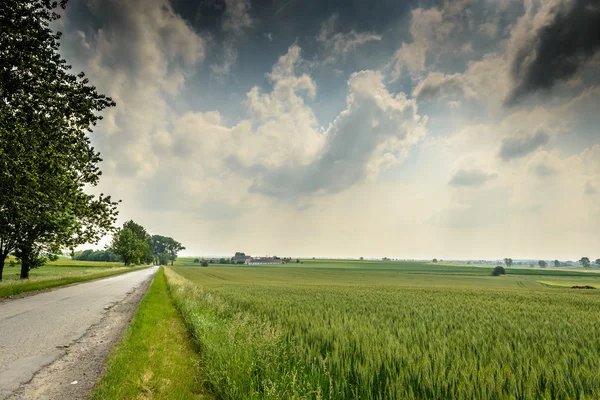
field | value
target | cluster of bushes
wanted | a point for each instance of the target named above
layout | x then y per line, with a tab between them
96	255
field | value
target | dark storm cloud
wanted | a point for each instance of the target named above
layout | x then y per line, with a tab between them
520	146
471	177
557	50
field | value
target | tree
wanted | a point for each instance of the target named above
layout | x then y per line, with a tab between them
145	241
133	244
172	248
556	263
585	262
196	260
46	158
126	245
597	262
159	250
499	270
435	260
361	258
542	264
508	262
204	263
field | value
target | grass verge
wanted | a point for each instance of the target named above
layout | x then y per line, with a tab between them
155	358
13	287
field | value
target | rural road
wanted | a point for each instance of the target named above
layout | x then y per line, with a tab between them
34	330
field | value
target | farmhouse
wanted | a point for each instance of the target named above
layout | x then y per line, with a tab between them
263	260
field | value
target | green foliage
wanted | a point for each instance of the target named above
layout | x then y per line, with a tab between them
133	244
499	270
196	260
585	262
204	263
556	263
508	262
542	264
46	159
435	260
598	262
333	336
165	249
96	255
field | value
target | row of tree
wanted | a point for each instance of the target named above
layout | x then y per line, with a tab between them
96	255
134	245
584	261
46	158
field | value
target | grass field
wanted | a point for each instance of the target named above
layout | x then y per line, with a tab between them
155	358
57	273
335	330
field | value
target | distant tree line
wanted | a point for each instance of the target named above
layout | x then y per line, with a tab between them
134	245
584	261
96	255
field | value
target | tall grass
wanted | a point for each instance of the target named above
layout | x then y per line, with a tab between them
275	341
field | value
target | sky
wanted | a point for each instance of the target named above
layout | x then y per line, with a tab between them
406	129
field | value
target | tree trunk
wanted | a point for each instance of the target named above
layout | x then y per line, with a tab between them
25	267
2	260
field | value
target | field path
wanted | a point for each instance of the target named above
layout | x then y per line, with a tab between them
36	330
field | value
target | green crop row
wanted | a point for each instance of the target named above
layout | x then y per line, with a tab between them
285	341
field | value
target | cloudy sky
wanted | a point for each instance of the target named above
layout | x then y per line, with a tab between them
452	129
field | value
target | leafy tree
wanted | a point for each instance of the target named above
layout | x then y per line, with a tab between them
435	260
297	261
172	248
145	241
196	260
499	270
585	262
556	263
159	250
597	262
542	264
204	263
46	158
361	258
133	244
508	262
126	244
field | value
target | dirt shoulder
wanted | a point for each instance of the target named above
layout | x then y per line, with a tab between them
73	375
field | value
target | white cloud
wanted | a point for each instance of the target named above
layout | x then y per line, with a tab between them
140	56
438	85
227	59
237	16
337	44
428	29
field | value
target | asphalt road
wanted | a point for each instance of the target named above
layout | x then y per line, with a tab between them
34	330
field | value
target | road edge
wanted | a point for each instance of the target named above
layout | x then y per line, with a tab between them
73	375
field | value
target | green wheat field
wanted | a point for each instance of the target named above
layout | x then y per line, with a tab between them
391	330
